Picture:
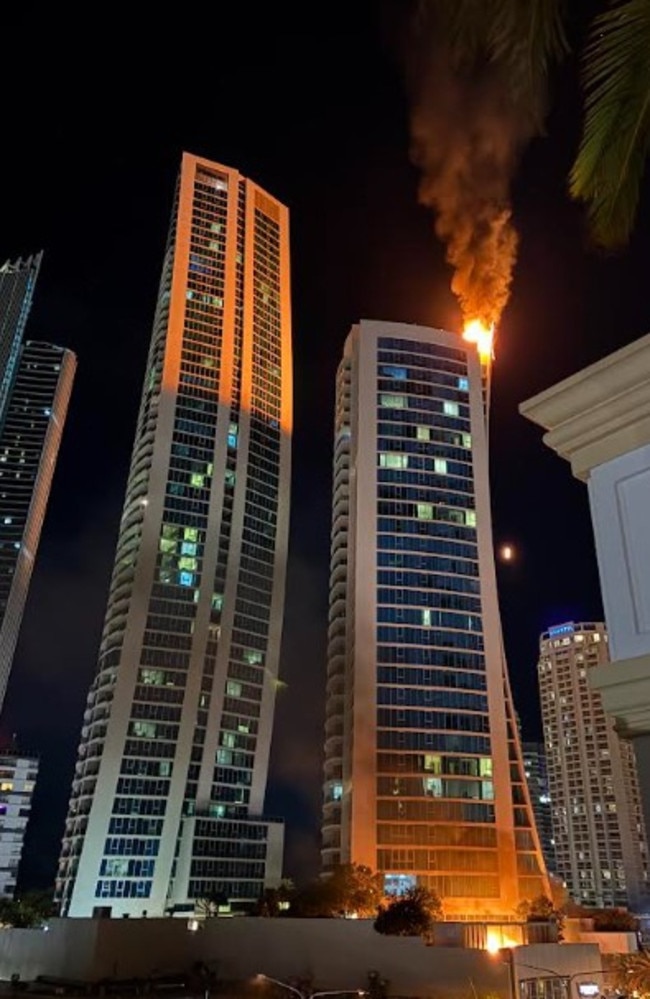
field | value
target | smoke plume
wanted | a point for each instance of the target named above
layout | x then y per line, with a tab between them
469	125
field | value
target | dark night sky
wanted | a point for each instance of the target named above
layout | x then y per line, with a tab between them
93	133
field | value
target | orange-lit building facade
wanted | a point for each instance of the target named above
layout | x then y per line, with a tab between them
167	803
424	778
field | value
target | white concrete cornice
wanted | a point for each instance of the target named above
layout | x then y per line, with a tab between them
599	413
624	687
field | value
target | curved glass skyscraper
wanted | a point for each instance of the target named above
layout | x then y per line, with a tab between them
423	769
168	794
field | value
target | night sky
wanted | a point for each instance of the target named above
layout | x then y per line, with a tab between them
315	112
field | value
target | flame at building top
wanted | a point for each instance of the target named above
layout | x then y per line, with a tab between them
477	332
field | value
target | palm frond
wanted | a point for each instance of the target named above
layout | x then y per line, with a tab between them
520	40
607	172
526	40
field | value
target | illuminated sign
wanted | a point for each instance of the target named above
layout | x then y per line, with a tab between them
561	629
588	989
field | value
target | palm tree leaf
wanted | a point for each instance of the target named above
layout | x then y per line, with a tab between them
520	40
526	40
615	141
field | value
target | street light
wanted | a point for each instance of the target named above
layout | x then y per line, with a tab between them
309	995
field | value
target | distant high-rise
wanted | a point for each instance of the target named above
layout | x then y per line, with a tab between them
537	778
600	840
168	795
424	777
18	773
17	282
30	436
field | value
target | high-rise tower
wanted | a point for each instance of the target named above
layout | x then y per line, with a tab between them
30	435
600	839
168	794
537	776
17	282
423	769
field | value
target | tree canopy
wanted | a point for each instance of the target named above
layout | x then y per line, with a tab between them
411	914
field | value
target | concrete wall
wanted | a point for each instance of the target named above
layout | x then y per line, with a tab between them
336	953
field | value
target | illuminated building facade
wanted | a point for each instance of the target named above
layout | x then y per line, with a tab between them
30	436
167	802
424	777
600	840
537	778
18	773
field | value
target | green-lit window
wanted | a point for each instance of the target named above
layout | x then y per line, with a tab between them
423	434
217	601
426	617
467	440
487	790
187	562
228	739
450	408
470	518
440	466
433	763
390	459
425	511
485	766
144	729
392	401
191	533
252	656
152	676
224	757
197	480
230	477
170	531
167	545
233	689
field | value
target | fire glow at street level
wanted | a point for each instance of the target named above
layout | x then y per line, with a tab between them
483	336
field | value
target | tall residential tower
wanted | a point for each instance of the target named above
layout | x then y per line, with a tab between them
424	778
30	436
600	840
168	794
35	385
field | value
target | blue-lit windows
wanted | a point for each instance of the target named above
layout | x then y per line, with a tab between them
233	431
186	578
398	884
393	371
463	384
450	408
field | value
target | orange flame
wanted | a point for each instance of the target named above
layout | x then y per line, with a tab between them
483	336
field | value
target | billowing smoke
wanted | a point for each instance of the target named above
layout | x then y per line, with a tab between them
470	119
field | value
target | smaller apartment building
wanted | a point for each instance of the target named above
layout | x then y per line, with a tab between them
601	849
18	775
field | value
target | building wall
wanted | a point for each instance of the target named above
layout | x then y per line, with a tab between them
190	651
423	771
598	825
337	954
